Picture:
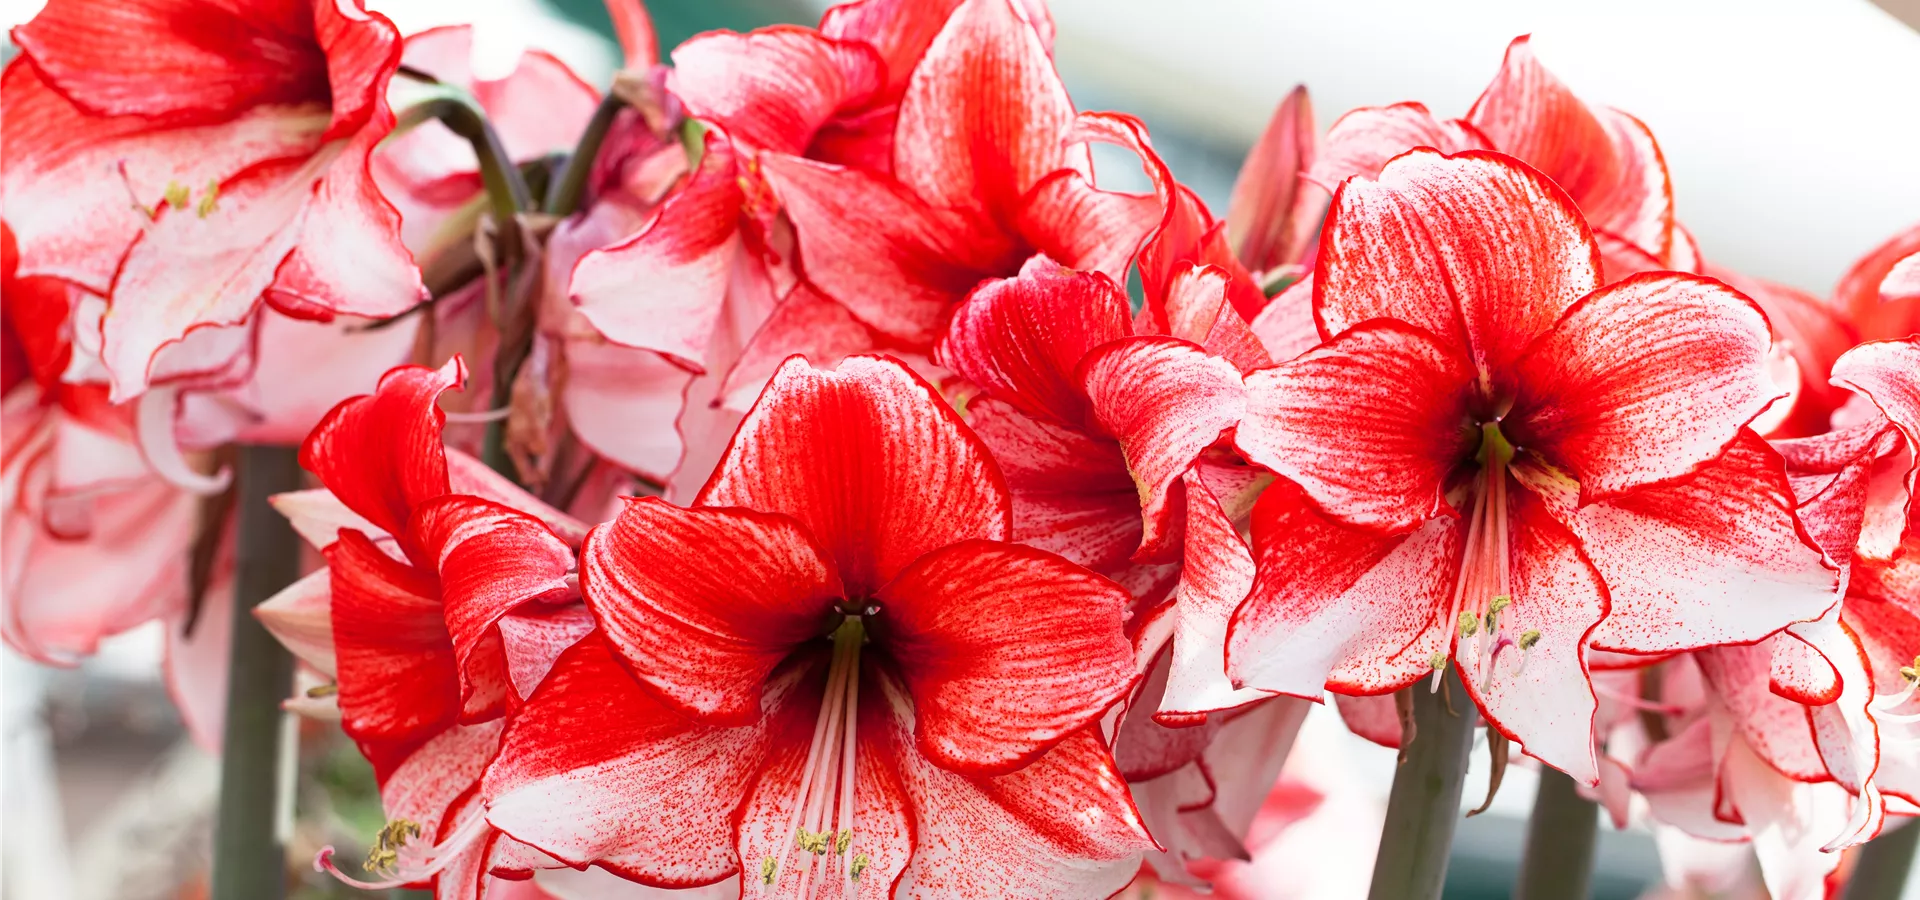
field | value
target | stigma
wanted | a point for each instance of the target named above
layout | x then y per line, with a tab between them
821	853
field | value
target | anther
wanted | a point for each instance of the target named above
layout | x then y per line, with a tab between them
209	199
1469	624
768	867
1439	663
860	863
177	195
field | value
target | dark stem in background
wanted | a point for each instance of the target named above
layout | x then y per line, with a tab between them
506	189
1880	872
1558	860
248	861
567	192
1424	806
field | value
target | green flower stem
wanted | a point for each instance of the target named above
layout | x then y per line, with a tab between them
507	191
1424	806
1558	860
1881	872
249	862
570	189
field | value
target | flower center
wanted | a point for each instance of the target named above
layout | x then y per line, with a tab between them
397	853
1483	590
822	817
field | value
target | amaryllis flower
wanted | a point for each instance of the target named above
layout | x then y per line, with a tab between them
186	164
697	281
438	612
875	695
984	176
1492	463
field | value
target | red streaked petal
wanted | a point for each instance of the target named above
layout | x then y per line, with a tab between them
870	460
1084	227
984	114
1218	573
180	62
1605	159
399	683
1285	326
1339	607
1541	697
381	453
1061	827
1266	221
894	261
1020	338
664	288
1888	372
1475	248
774	88
1860	298
348	258
1774	727
1363	140
1005	649
1642	383
1719	558
491	561
1198	307
706	637
1369	424
1165	400
1072	493
593	769
805	323
633	27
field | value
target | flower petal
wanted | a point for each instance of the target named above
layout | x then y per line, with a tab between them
1716	559
1082	226
1605	159
1888	372
984	114
1369	424
1267	219
1475	248
1072	493
1542	697
870	460
594	770
1217	574
349	257
492	560
1061	827
1337	607
894	261
381	453
663	288
1773	727
1020	338
1165	400
1669	355
705	637
807	323
399	683
1860	298
1361	141
774	88
300	616
988	698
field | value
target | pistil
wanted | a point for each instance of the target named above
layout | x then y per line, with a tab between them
821	820
1483	589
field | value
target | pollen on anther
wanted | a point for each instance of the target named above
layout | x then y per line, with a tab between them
768	866
860	863
1469	624
1529	638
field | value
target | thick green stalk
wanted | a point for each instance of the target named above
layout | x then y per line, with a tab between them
248	861
1881	871
1424	806
506	189
1558	860
570	189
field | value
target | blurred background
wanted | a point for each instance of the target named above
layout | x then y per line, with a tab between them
1792	128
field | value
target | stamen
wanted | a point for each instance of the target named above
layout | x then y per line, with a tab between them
392	839
1439	663
821	820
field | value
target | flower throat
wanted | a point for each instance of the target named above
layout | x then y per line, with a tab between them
822	819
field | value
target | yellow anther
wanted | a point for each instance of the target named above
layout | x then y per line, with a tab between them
841	843
380	859
210	200
1500	603
1910	673
177	195
1438	661
860	863
768	866
324	690
1528	638
1468	624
